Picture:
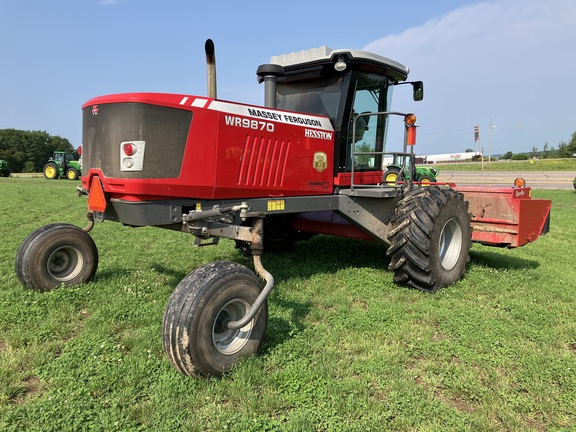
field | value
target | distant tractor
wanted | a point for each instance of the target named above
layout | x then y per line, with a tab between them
4	170
400	170
63	165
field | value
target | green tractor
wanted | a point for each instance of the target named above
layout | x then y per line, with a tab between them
400	170
4	170
63	165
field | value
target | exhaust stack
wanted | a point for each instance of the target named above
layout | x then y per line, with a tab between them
210	68
268	74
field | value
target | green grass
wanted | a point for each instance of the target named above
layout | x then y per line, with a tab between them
345	349
501	165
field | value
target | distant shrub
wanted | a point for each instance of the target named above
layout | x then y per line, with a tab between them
29	167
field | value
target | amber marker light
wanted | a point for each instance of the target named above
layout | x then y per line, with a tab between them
410	119
519	182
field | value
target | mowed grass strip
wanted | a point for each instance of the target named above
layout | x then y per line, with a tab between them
345	349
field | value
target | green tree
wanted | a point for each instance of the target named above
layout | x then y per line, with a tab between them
545	151
564	150
29	167
572	144
553	152
567	149
29	150
519	156
507	155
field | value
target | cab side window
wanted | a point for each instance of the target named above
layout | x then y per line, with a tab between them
366	131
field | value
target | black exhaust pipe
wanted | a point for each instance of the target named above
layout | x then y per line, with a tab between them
210	68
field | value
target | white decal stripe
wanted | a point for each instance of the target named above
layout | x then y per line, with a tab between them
267	114
183	101
199	103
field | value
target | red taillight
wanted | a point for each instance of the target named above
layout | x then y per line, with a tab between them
132	155
79	151
129	149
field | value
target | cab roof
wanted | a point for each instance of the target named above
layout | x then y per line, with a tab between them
359	59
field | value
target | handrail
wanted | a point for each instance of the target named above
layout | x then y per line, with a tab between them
354	153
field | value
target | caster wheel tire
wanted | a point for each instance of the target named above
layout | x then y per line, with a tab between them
194	333
55	255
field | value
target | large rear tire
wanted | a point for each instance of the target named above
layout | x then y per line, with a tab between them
56	254
50	171
194	335
430	238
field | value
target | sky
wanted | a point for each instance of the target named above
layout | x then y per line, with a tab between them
505	63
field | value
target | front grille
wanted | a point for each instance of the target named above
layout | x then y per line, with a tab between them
165	131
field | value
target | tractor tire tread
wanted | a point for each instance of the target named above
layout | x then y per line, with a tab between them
411	237
29	265
180	320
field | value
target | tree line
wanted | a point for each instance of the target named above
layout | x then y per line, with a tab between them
28	151
566	149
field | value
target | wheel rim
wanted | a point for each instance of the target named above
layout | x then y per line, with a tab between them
450	244
391	178
71	175
425	182
228	341
50	171
65	263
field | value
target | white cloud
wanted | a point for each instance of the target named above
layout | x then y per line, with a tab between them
108	2
511	60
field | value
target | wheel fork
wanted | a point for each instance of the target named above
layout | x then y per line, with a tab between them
257	248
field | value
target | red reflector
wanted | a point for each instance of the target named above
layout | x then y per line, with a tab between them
129	149
96	197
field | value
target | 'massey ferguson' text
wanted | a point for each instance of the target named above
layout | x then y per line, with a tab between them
287	118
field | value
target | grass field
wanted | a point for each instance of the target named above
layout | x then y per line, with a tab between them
345	349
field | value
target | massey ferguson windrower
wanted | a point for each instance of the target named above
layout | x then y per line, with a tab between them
308	162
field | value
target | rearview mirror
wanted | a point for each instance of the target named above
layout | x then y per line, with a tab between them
417	90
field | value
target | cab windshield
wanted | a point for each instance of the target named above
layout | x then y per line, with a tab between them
320	96
345	99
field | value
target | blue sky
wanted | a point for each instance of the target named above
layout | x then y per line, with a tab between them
512	61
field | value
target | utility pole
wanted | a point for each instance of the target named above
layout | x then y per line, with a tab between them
490	140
